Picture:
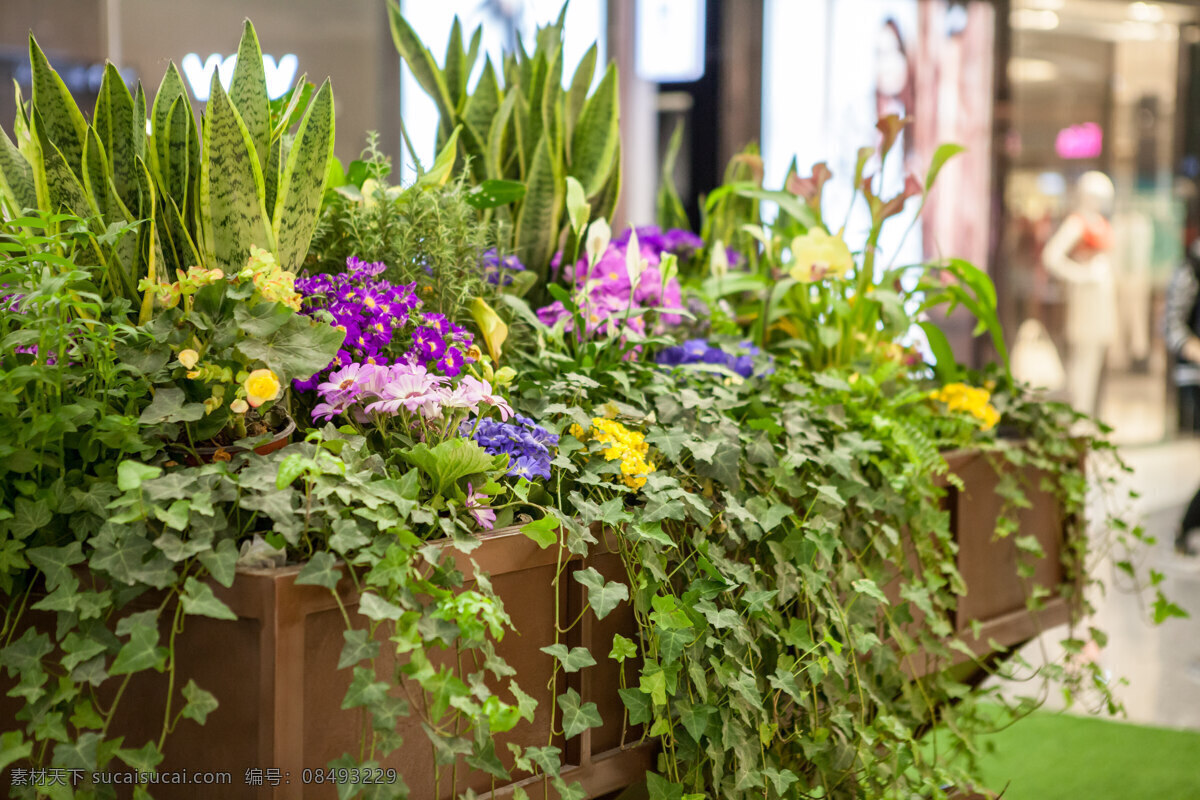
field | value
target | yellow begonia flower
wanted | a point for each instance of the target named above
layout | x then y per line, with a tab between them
261	386
817	255
959	397
188	358
239	406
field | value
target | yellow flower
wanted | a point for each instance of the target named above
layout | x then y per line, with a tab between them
628	447
958	397
261	385
239	406
817	255
188	358
193	374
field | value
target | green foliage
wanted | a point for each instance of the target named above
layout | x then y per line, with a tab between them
429	234
520	124
202	197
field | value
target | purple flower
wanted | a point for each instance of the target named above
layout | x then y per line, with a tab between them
698	351
527	445
498	271
484	515
360	267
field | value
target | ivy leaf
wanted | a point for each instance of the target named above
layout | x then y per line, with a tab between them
1164	609
654	684
724	465
144	759
221	562
356	648
321	570
670	442
375	607
695	718
198	598
577	717
29	516
200	703
13	747
543	531
364	689
25	654
79	754
525	704
638	705
660	788
602	597
782	779
569	791
622	649
870	588
56	562
572	661
141	651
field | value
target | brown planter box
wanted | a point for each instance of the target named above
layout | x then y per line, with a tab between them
274	673
996	594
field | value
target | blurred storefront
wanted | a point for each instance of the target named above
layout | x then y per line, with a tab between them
1096	88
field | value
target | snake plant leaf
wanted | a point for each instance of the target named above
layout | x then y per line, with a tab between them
177	237
497	141
668	206
170	89
596	136
455	66
552	107
248	91
577	93
300	93
113	123
153	246
606	202
478	113
302	182
275	161
58	186
536	230
62	121
419	60
95	172
16	177
178	133
523	143
231	202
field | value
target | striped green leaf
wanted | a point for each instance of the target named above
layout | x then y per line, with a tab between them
152	248
536	231
248	92
596	136
62	121
113	123
16	177
552	106
606	202
577	94
231	202
478	113
302	182
275	162
420	61
95	172
58	187
170	89
455	65
176	238
497	146
179	131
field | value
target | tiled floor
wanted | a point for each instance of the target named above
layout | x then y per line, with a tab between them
1161	663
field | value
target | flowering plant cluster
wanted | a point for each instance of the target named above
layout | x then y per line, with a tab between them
618	282
499	271
527	444
383	321
619	444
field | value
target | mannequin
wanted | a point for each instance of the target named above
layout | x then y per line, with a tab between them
1078	254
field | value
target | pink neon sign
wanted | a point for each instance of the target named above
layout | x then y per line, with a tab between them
1080	141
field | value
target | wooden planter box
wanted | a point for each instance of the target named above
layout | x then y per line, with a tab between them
996	594
274	673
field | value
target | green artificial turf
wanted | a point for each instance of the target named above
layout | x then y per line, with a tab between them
1064	757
